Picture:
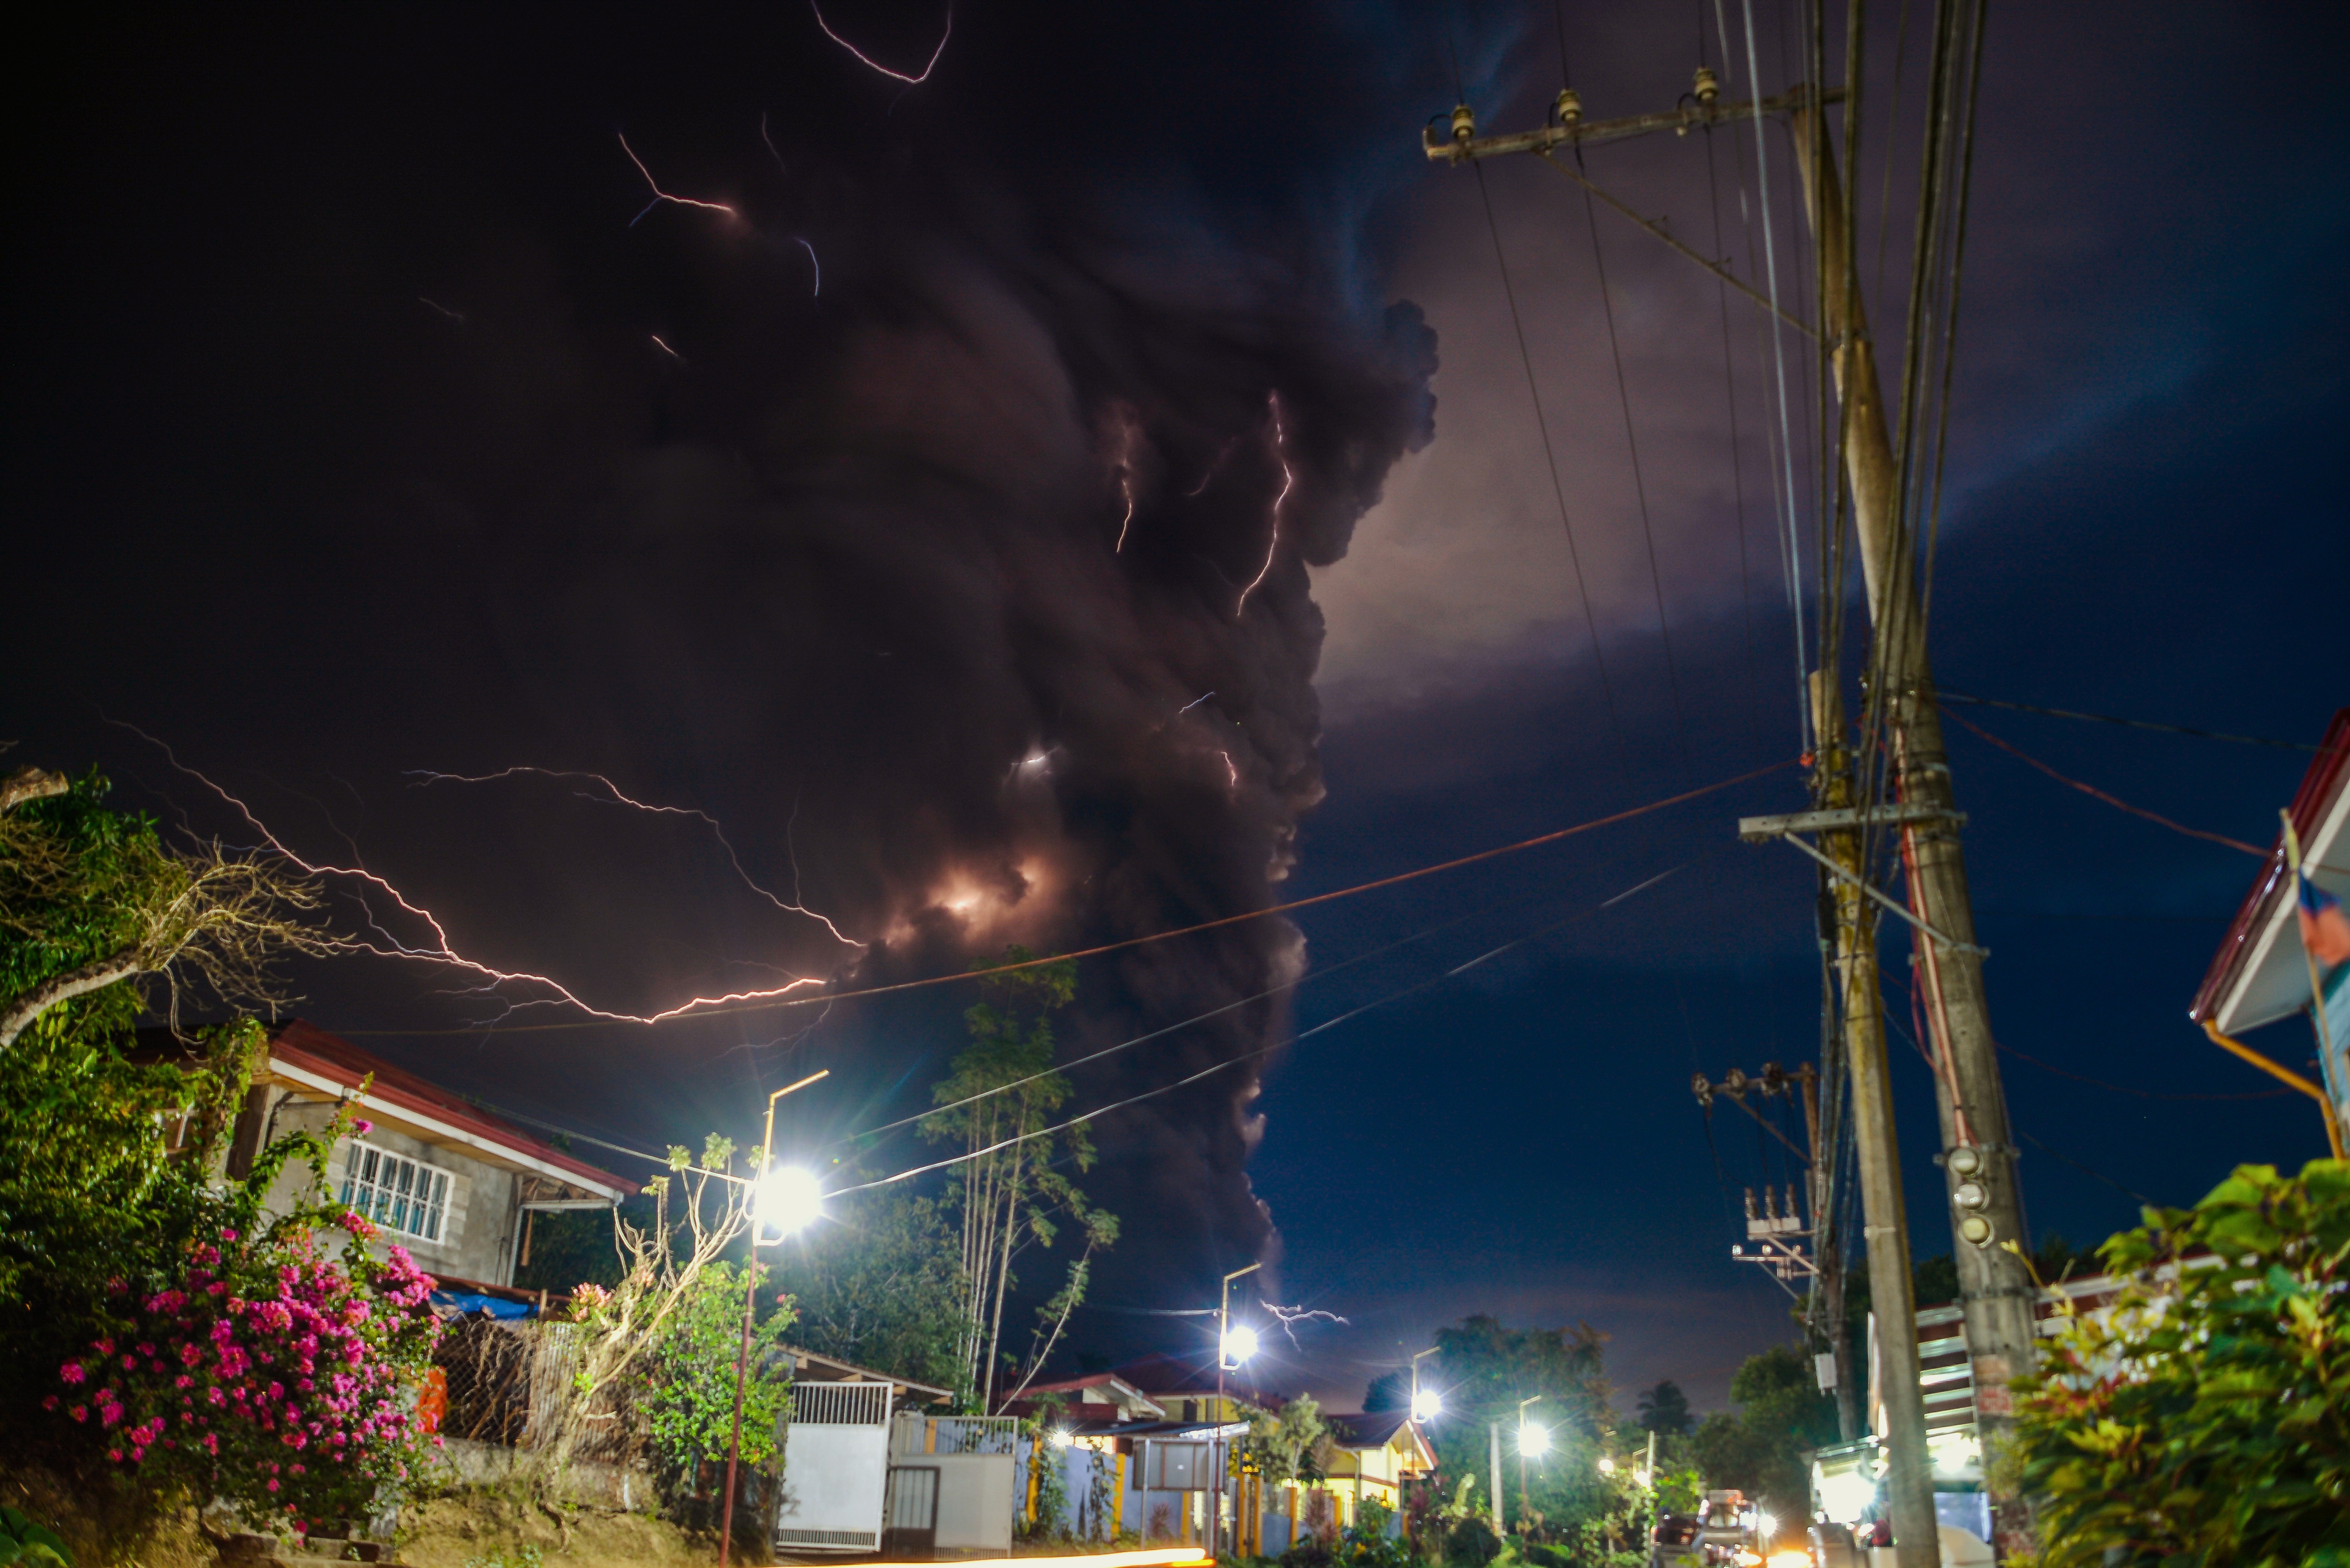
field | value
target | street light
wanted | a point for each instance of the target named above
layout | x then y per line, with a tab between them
1606	1466
1425	1407
785	1200
1233	1345
789	1200
1533	1440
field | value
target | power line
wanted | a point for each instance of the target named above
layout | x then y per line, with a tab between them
1945	695
1097	949
1550	459
1299	1038
1632	446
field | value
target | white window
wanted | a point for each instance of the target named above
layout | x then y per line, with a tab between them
395	1192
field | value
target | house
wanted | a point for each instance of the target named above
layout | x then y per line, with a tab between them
1372	1454
2261	973
452	1182
1104	1396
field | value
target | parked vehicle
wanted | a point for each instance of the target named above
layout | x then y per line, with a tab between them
1674	1543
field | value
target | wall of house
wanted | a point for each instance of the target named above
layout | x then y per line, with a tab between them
478	1231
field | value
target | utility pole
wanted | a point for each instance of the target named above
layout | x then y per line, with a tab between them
1909	1476
1979	1157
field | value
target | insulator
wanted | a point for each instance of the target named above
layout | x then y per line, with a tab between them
1733	1082
1709	86
1751	1211
1464	123
1570	106
1792	1212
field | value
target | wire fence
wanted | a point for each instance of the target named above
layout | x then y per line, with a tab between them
512	1384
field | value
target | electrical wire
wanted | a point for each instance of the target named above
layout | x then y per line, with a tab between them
1944	694
1299	1038
1550	461
928	981
1640	483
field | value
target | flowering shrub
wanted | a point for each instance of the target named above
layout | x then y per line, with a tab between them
2204	1417
264	1374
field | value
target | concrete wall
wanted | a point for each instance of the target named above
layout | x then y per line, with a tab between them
478	1237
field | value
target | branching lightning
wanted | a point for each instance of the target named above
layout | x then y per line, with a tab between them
869	60
1290	1317
1288	482
616	797
660	195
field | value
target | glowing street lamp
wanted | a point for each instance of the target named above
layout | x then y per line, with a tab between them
1233	1346
785	1202
1425	1405
789	1200
1534	1441
1606	1466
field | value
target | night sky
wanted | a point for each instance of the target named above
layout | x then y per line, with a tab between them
1092	491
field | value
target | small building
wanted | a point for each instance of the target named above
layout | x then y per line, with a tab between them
1372	1454
2261	973
454	1184
1102	1397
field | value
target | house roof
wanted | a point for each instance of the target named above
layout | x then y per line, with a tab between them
1116	1389
301	1054
2259	974
1377	1429
815	1366
1160	1374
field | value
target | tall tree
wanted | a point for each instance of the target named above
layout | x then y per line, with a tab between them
1483	1369
1010	1191
1782	1416
882	1287
1665	1410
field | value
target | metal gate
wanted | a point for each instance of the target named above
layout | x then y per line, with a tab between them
911	1518
836	1468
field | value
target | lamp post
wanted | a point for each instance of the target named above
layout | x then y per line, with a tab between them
1424	1407
1225	1361
790	1198
1531	1440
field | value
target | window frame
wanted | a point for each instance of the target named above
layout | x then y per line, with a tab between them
369	1185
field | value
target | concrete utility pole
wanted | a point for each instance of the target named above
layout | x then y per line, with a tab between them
1910	1475
1979	1152
1978	1156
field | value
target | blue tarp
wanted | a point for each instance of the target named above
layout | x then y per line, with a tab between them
492	1307
1967	1511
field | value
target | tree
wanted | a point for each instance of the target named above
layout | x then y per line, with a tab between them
1483	1369
2205	1417
1783	1416
1389	1391
1289	1445
690	1406
93	905
1665	1410
1011	1193
881	1286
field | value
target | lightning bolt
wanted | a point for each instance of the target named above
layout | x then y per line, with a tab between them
617	798
814	263
666	349
1233	779
660	195
1201	488
456	316
1125	483
869	60
441	951
1289	1317
1194	703
1288	481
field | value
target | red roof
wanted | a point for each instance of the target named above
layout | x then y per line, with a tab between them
2318	787
301	1043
